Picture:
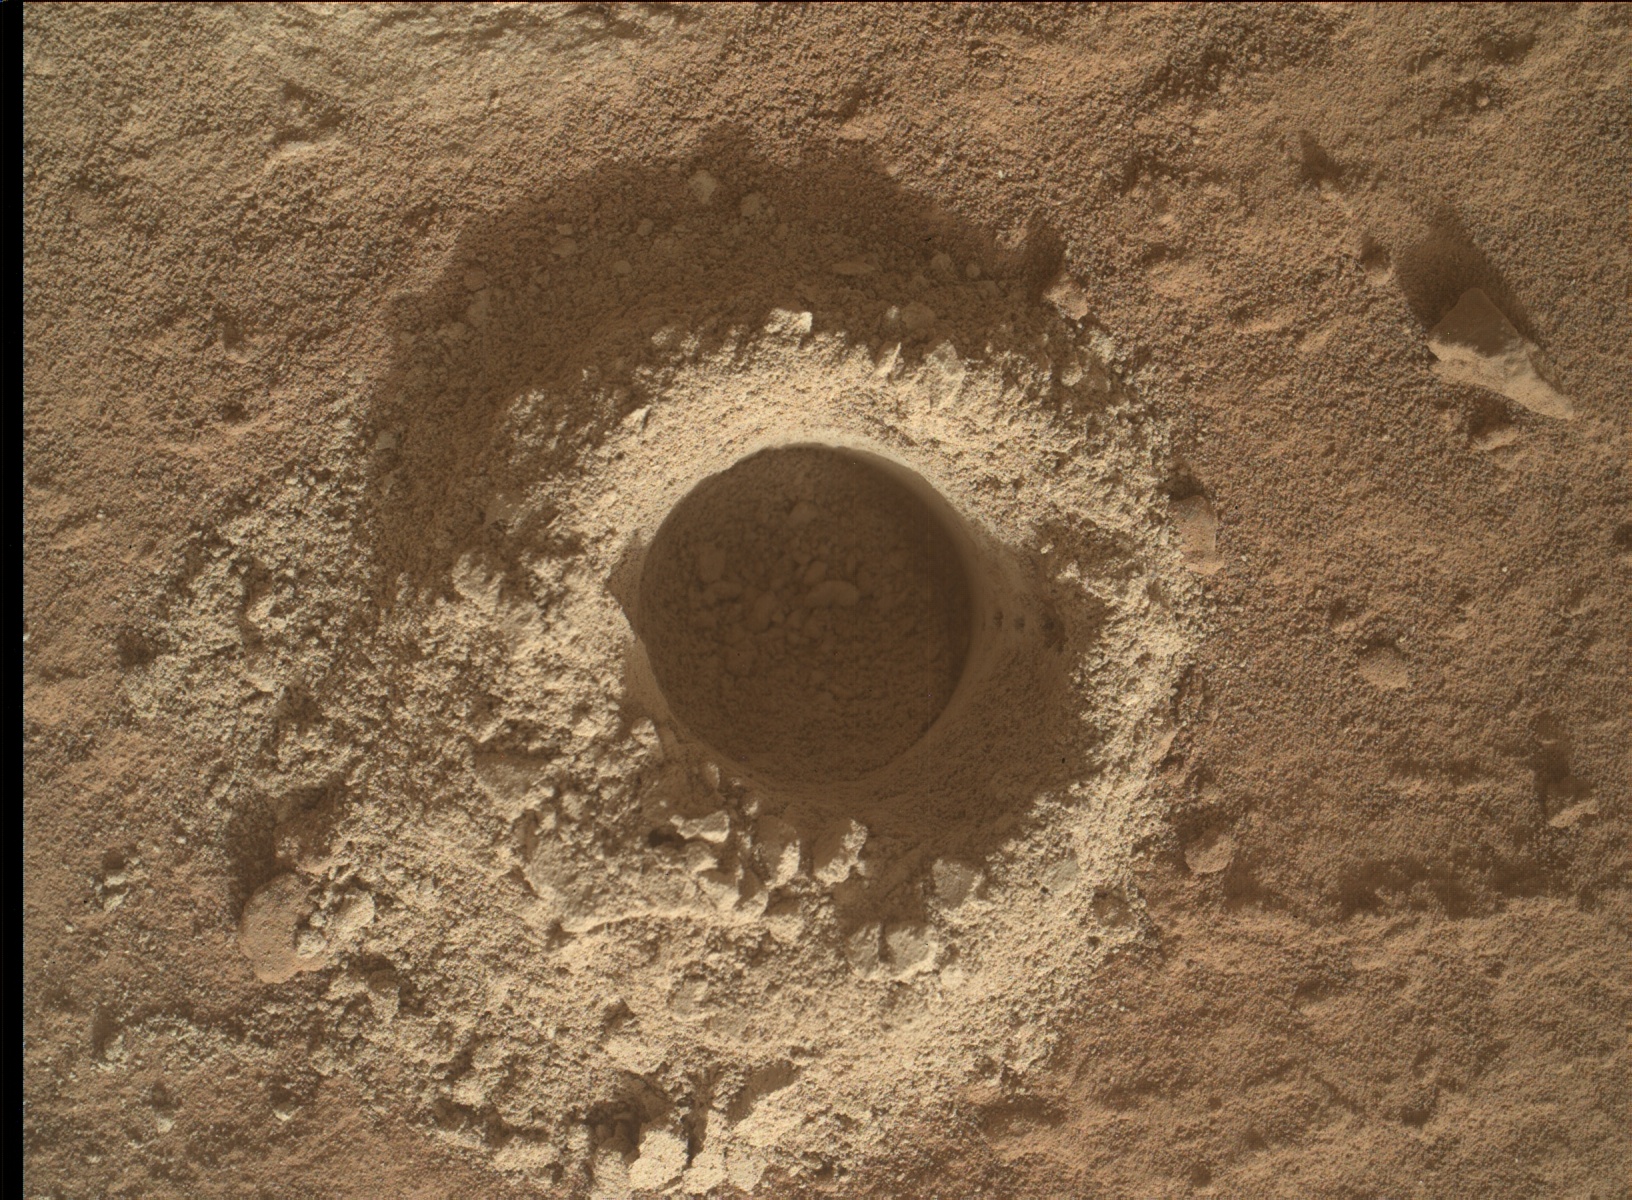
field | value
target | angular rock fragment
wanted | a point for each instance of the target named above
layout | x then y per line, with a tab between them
837	852
1476	345
1197	524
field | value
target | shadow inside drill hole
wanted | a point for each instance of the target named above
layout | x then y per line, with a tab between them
1013	745
798	732
571	286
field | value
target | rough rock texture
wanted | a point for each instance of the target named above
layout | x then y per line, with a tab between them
1276	844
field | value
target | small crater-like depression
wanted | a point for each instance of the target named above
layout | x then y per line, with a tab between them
807	611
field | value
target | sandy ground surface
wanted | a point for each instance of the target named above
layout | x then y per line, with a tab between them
1274	841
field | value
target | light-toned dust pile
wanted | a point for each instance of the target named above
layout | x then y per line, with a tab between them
806	614
740	892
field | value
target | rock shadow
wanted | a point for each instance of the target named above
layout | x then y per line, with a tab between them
1437	268
569	281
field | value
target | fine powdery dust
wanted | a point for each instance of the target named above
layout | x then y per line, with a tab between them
806	614
730	720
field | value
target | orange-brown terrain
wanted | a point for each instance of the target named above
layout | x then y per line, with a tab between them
1174	741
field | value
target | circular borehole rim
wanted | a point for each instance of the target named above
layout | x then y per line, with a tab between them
976	563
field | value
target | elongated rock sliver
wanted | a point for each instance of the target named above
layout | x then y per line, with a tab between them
1477	346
